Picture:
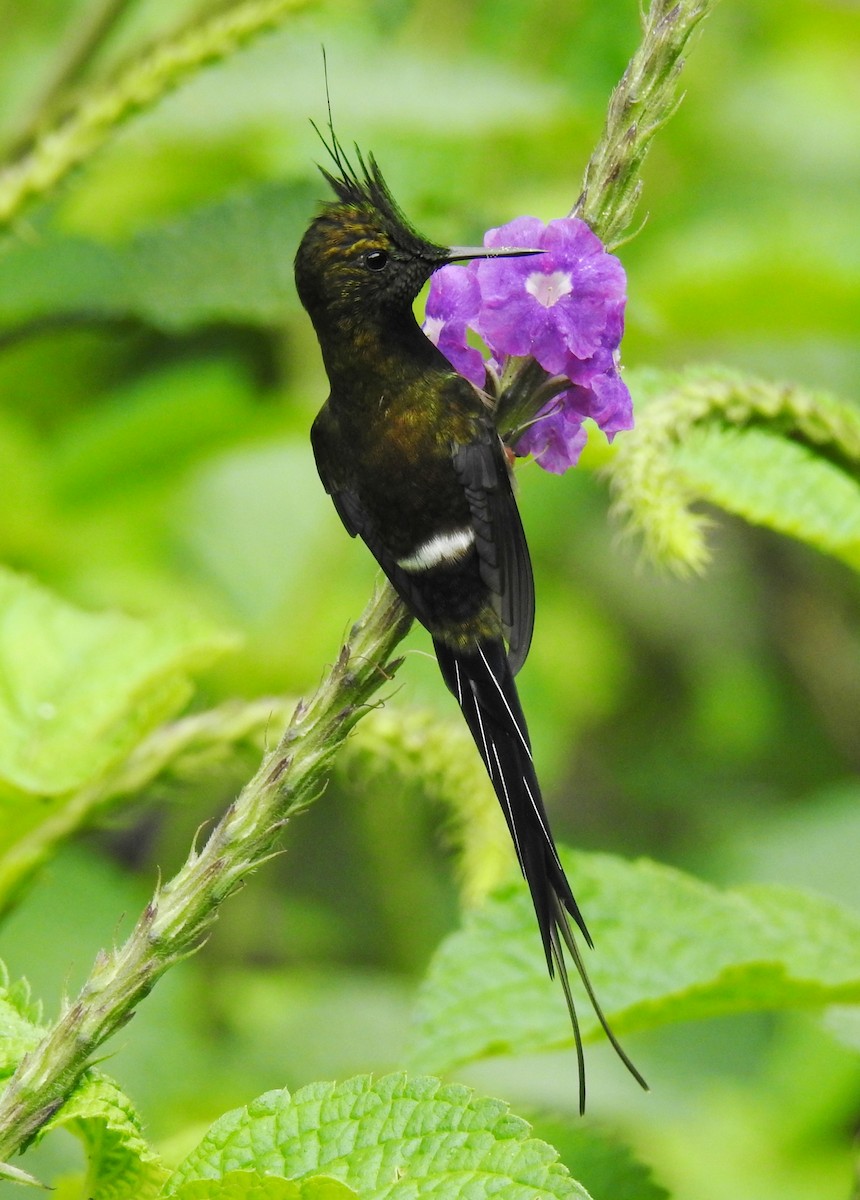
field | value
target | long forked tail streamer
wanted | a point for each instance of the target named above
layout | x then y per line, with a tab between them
482	682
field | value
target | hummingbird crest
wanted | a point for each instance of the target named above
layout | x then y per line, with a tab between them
361	262
360	258
364	189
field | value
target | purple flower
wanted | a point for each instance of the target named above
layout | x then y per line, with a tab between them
556	437
555	306
452	304
564	308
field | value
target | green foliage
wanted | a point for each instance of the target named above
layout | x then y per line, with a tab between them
435	757
220	262
120	1162
249	1185
388	1137
668	949
144	81
81	691
604	1165
19	1022
157	381
776	455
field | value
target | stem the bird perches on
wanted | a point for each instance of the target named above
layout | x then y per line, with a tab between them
181	913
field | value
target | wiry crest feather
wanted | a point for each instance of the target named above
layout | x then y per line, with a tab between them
365	188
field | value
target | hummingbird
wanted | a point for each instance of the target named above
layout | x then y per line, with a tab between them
408	451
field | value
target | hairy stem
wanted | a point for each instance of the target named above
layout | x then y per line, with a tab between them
142	83
645	99
86	35
180	915
653	498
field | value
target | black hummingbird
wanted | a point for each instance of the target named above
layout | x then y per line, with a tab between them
408	451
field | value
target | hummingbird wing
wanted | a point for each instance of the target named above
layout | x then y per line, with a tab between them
346	507
356	520
480	469
500	540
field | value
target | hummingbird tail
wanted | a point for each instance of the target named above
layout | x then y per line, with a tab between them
482	682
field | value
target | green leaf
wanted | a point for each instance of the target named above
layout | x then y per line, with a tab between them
251	1185
769	480
80	691
121	1164
224	261
392	1137
667	948
777	455
150	429
603	1164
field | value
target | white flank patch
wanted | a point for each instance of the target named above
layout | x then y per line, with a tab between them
442	547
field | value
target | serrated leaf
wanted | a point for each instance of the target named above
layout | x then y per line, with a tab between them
227	261
80	692
81	689
769	480
602	1163
251	1185
392	1137
667	948
121	1163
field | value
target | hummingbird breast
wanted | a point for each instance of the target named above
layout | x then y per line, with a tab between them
398	462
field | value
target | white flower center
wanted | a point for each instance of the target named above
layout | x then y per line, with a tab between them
433	326
549	289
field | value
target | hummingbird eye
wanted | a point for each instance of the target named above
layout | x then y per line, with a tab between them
376	260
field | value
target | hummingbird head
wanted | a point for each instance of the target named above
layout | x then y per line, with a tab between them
361	256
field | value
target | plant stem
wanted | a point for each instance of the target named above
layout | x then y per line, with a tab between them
140	85
201	738
85	37
180	915
645	98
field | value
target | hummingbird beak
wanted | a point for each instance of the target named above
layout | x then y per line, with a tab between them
459	253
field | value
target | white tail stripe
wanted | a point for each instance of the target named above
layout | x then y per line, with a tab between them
546	832
483	736
513	824
459	683
442	547
505	702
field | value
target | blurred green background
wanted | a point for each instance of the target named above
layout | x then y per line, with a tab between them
157	384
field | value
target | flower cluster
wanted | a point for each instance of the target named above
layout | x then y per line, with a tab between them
563	308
